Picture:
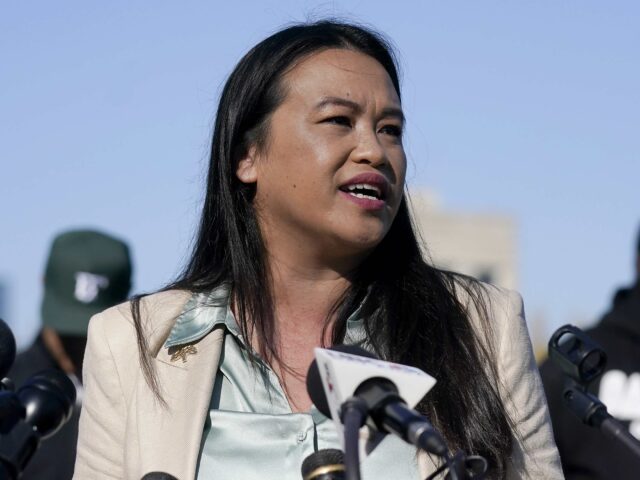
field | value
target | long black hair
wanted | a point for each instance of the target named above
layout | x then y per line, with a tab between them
413	312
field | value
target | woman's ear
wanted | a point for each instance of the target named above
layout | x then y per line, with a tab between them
247	169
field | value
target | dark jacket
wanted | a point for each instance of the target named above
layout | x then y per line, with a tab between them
55	457
585	452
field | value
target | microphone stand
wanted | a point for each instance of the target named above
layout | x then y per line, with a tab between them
353	415
593	412
16	449
582	360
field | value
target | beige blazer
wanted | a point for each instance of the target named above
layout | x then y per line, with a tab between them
125	432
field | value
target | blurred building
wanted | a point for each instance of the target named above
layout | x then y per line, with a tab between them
482	245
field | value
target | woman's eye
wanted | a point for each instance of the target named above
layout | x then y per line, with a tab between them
339	120
393	130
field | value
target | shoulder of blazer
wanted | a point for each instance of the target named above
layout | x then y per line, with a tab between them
499	306
158	313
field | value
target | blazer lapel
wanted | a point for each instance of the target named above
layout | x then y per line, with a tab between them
170	435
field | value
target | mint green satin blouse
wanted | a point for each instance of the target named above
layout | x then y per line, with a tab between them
251	432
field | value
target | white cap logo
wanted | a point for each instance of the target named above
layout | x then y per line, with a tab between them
88	286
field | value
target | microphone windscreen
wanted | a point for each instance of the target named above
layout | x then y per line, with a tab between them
329	457
314	380
158	476
58	383
48	397
7	348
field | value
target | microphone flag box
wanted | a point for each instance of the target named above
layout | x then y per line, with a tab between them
342	373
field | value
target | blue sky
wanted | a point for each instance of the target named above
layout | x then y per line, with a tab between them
526	108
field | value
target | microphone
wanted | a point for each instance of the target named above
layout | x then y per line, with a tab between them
582	360
385	389
7	348
327	464
158	476
35	412
48	398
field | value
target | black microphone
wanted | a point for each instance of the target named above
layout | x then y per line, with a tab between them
48	398
36	411
327	464
583	360
158	476
387	411
7	348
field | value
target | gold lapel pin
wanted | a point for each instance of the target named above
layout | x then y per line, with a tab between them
182	352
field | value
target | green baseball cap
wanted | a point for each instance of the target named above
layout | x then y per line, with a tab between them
87	272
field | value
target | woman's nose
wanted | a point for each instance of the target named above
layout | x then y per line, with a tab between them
369	150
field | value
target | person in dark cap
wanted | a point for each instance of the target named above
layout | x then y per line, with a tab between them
87	271
584	451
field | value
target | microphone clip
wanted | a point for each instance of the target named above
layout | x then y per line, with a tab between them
354	410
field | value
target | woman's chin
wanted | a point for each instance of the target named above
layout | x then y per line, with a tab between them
361	242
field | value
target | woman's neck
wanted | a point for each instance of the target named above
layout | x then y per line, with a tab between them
304	295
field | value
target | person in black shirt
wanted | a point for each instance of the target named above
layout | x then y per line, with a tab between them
584	451
87	271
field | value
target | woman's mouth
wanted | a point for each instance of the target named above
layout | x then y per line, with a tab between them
367	190
364	190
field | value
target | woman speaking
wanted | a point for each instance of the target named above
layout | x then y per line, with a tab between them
306	240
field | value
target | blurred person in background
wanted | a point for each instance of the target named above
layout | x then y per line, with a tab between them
87	271
585	452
